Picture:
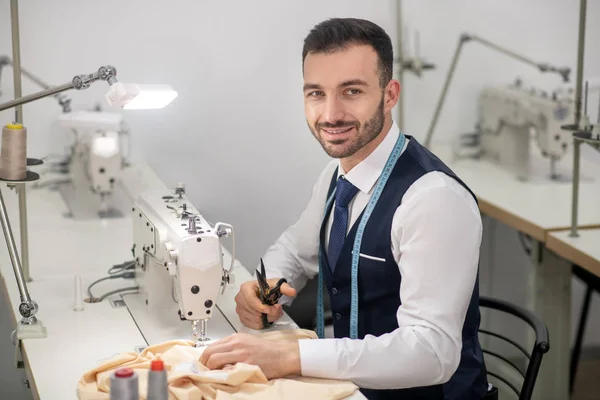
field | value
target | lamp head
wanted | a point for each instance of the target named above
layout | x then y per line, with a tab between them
130	96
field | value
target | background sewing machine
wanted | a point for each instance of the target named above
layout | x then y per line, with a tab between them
179	268
510	118
94	164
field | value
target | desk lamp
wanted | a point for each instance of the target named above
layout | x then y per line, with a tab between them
465	38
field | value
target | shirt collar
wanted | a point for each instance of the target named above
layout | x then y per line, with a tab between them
367	172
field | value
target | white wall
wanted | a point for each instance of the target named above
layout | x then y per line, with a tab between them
542	30
237	135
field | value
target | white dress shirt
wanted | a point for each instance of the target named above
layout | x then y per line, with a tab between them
435	238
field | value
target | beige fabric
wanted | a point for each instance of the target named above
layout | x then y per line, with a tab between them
188	379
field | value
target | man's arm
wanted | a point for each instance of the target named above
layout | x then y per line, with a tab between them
294	255
437	233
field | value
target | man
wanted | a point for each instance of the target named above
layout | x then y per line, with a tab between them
417	318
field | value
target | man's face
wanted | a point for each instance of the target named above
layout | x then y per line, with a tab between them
343	100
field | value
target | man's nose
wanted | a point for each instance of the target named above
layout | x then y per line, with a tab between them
333	110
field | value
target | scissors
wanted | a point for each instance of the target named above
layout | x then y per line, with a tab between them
267	295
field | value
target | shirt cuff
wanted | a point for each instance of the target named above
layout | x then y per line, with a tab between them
318	357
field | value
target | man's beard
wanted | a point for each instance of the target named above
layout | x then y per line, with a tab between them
364	134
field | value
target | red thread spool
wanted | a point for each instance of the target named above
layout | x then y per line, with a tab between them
157	365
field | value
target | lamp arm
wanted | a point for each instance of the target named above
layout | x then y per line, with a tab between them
5	60
543	67
63	100
106	73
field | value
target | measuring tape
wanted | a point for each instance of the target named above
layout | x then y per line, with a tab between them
385	174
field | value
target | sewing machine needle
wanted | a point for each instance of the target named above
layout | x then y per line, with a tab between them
195	332
200	339
203	337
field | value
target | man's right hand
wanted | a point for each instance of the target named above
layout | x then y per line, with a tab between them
250	309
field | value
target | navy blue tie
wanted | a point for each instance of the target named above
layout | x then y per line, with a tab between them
344	193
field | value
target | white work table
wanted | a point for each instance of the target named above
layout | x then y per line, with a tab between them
533	207
583	250
538	207
59	249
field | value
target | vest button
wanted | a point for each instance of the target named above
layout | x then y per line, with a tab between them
334	291
338	316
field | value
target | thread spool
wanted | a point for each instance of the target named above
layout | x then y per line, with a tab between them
124	385
158	388
13	154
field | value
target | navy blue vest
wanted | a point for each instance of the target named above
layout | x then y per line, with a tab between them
379	284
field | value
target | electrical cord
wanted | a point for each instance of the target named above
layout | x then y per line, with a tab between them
125	270
126	275
131	288
126	266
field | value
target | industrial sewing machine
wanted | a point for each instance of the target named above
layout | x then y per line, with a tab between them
511	117
178	265
94	164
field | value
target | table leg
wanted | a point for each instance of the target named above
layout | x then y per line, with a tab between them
549	295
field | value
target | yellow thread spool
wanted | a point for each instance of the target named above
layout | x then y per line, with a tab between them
13	155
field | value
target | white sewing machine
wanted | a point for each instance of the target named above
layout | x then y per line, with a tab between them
509	116
94	165
178	264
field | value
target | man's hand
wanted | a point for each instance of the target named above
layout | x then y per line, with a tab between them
249	307
275	359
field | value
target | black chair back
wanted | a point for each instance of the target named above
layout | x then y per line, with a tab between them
541	346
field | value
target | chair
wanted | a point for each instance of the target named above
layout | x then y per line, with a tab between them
592	283
540	347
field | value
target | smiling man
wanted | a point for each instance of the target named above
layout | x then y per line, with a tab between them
393	233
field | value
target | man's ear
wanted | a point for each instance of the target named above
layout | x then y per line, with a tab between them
391	94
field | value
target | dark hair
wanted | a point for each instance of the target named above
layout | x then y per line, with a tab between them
339	33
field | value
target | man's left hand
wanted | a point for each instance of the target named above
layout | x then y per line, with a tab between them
275	359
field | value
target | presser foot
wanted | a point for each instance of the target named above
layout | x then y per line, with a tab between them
201	342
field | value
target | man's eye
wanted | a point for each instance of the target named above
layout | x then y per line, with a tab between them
315	93
353	91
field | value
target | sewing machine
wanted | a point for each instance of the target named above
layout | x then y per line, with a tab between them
94	164
509	116
178	264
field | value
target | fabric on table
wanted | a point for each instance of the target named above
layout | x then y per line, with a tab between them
188	379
